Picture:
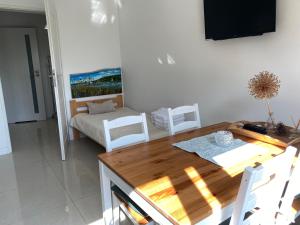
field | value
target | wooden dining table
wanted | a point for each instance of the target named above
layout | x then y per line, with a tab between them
174	186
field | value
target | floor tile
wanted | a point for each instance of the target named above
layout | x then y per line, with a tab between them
37	188
76	178
61	215
7	173
10	210
90	208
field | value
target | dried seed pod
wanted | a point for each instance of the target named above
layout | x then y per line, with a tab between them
264	85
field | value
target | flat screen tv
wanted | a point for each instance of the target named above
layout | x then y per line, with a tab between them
225	19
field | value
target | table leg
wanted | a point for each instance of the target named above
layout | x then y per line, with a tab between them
106	197
116	210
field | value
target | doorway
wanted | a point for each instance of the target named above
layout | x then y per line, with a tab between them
28	76
20	71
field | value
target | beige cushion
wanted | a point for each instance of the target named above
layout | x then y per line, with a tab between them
98	108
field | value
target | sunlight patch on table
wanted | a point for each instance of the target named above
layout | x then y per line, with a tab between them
202	187
238	155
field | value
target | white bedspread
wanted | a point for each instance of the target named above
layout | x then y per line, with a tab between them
92	125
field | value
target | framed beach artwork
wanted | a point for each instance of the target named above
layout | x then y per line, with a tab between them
100	82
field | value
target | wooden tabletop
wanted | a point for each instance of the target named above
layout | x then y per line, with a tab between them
182	186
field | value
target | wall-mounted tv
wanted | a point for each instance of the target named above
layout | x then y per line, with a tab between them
225	19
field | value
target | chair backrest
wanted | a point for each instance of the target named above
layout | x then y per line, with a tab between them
127	139
261	188
174	128
292	191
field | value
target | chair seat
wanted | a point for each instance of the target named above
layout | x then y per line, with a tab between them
131	207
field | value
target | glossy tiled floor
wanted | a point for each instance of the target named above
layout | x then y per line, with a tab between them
37	188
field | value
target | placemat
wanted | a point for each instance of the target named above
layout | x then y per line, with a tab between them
207	148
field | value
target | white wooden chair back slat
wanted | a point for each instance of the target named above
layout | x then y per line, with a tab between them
194	109
127	139
125	121
185	126
262	187
184	109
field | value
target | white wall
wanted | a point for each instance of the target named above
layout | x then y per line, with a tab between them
37	21
24	5
89	37
214	74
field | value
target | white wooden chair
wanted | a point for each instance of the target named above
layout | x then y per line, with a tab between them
120	200
261	190
290	203
186	125
128	139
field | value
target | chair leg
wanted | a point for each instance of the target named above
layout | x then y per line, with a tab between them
116	209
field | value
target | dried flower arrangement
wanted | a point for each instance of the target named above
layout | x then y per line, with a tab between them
265	86
296	125
281	129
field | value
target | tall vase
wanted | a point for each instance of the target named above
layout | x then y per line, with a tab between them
271	121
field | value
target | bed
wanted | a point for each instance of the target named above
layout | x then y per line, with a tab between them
92	125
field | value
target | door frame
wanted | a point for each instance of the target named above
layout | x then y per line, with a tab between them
57	74
43	10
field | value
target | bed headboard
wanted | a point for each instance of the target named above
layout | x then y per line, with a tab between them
78	106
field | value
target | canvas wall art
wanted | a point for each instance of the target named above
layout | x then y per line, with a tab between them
101	82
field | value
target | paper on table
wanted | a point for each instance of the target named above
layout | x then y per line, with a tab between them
207	148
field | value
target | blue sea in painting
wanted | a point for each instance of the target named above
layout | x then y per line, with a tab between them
81	77
101	82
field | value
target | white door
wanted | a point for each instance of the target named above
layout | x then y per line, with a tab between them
20	72
57	73
5	145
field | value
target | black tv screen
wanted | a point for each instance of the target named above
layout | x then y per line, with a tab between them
226	19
